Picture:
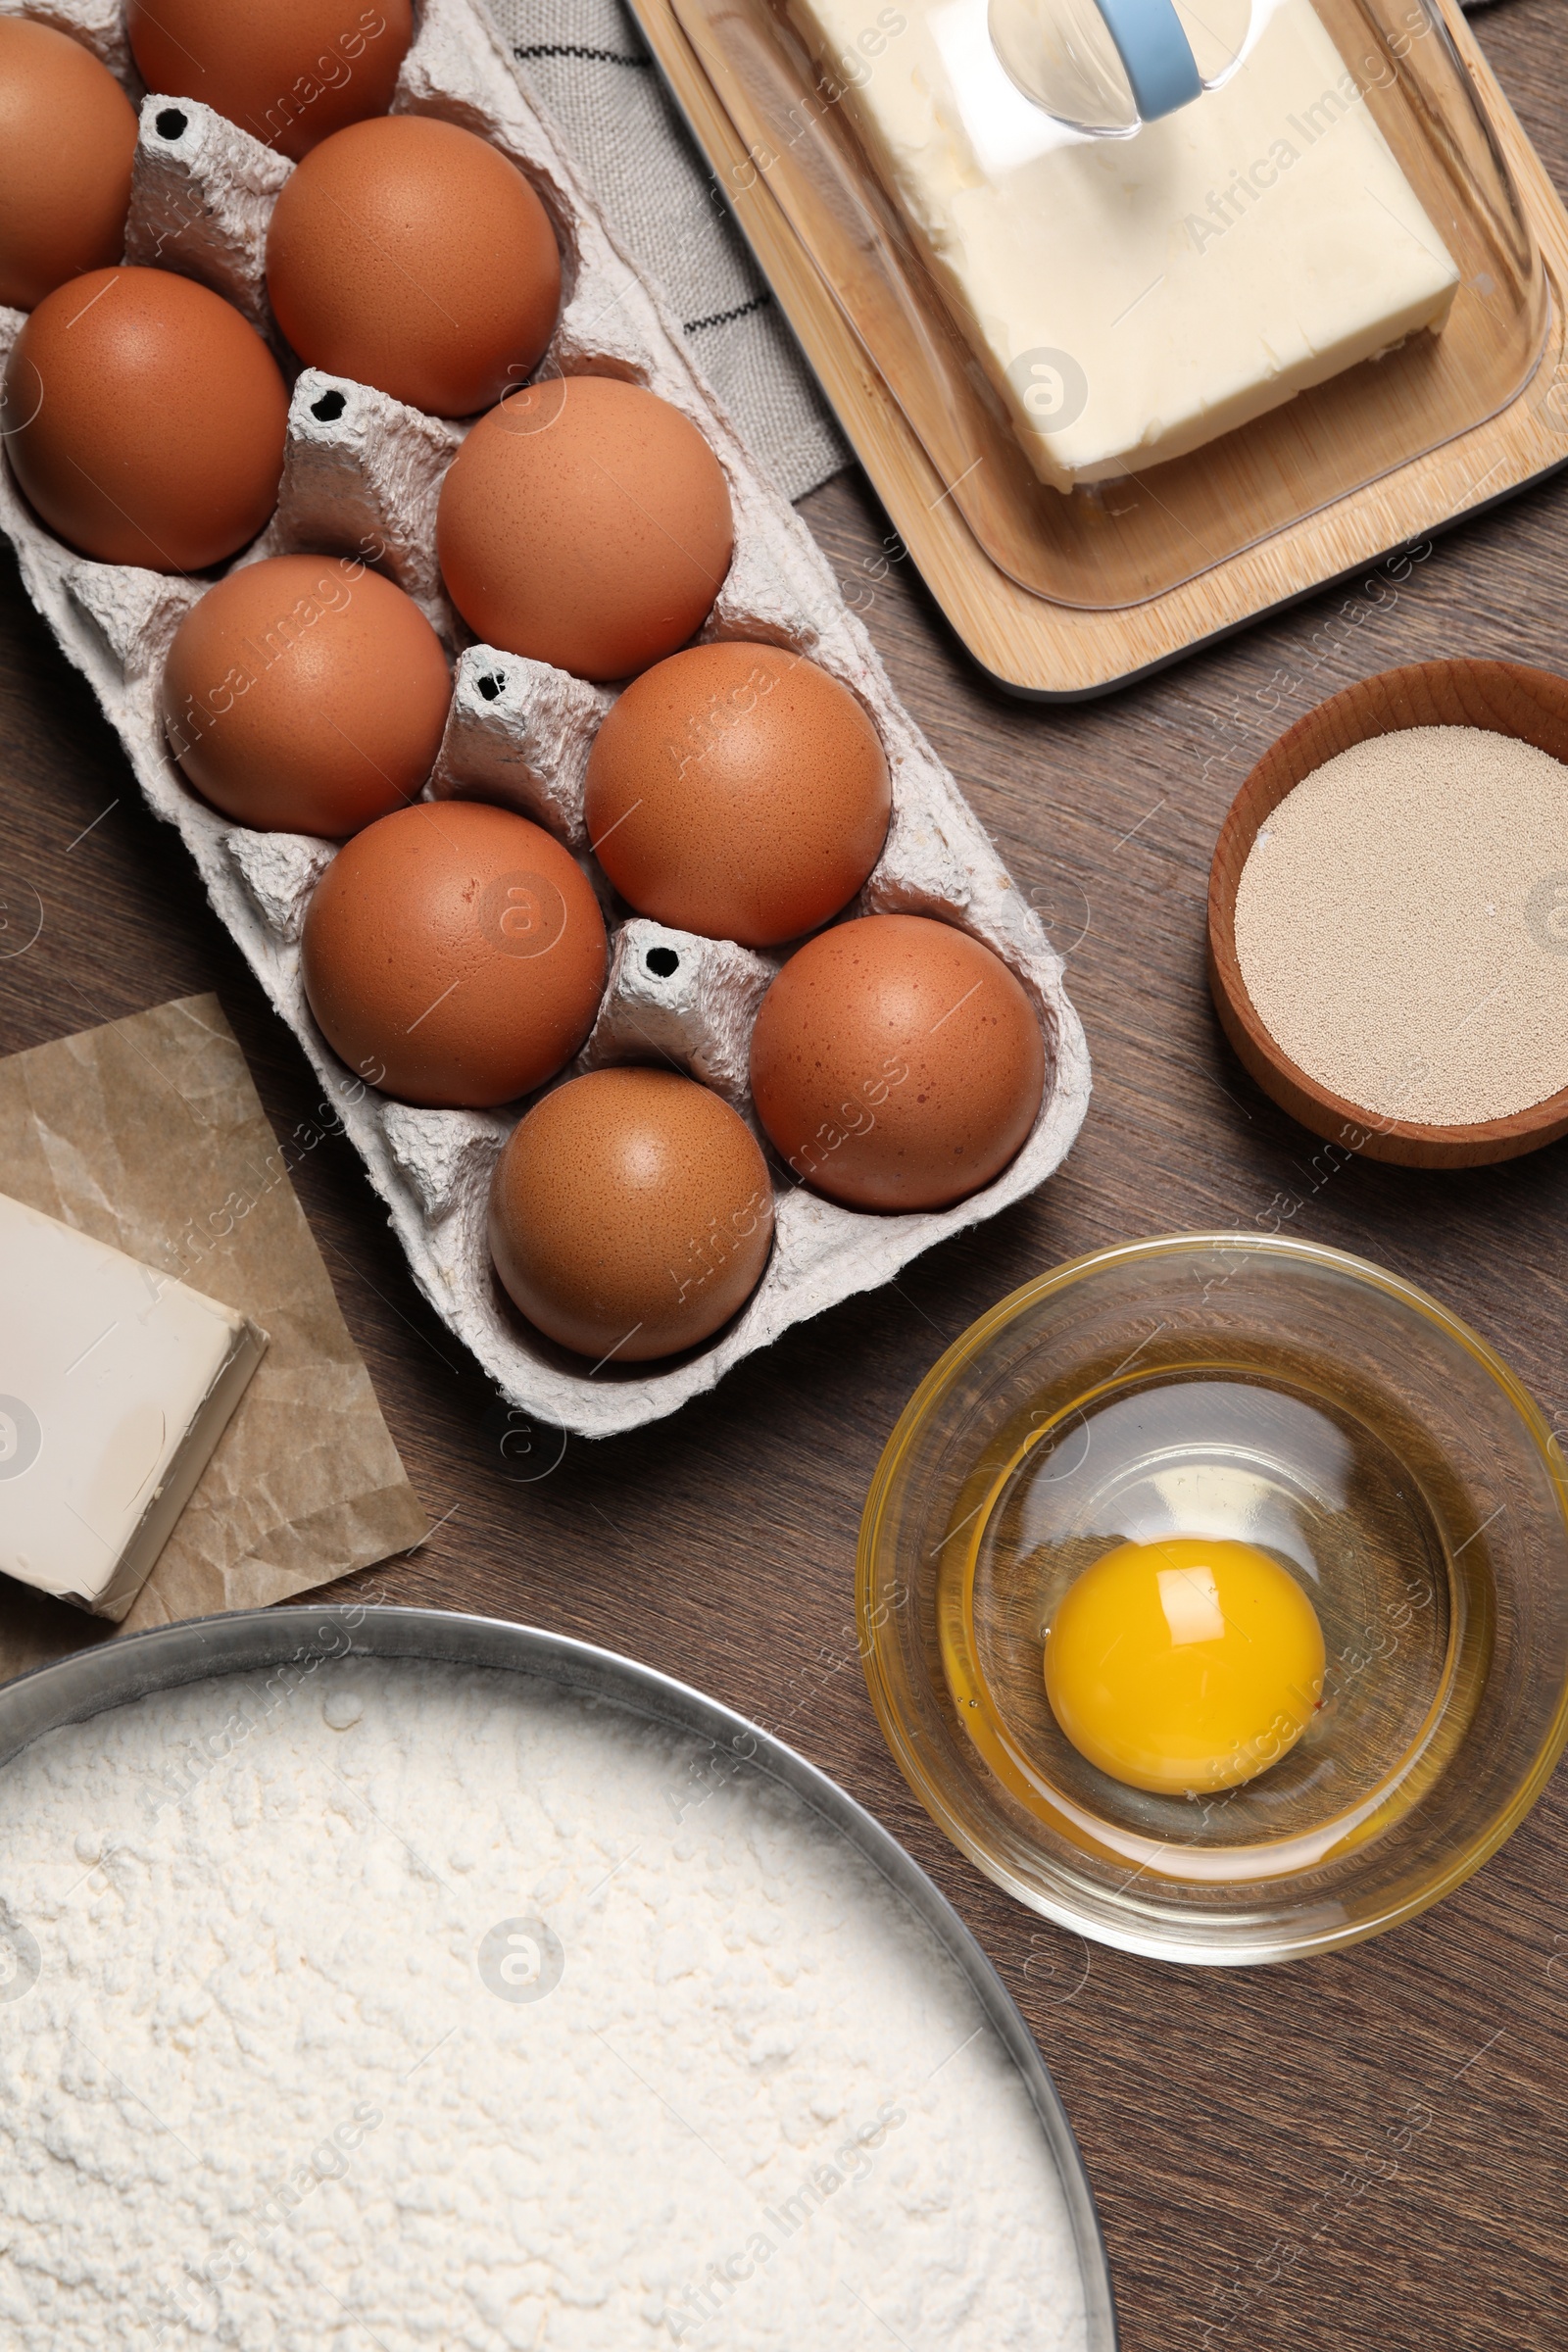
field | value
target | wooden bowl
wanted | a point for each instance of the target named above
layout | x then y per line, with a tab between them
1503	697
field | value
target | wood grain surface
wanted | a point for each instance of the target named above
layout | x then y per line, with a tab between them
1365	2150
1507	698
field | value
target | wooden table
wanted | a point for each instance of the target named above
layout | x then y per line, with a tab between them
1370	2149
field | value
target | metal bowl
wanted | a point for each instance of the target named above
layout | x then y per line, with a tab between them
300	1641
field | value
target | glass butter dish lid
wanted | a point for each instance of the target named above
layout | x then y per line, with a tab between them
1345	1494
1148	284
1104	68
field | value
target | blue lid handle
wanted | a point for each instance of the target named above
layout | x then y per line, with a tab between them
1156	53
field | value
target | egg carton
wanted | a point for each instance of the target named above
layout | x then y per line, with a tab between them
363	473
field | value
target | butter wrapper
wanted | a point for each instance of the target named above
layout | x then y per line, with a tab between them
147	1136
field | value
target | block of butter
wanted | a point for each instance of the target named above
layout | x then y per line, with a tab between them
1132	298
116	1384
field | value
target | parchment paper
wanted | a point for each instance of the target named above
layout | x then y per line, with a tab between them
149	1134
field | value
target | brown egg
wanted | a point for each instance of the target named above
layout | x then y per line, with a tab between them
144	419
897	1063
68	132
585	522
413	256
454	955
290	73
306	694
738	791
630	1214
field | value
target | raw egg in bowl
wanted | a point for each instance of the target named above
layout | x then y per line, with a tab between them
1214	1597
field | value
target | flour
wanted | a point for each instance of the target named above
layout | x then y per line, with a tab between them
417	2008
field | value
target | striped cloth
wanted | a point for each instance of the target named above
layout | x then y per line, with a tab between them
591	70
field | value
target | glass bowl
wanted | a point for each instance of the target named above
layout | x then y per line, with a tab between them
1226	1386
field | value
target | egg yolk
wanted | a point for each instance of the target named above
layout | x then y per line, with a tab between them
1183	1665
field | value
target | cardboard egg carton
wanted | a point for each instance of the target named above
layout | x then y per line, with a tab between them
362	473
